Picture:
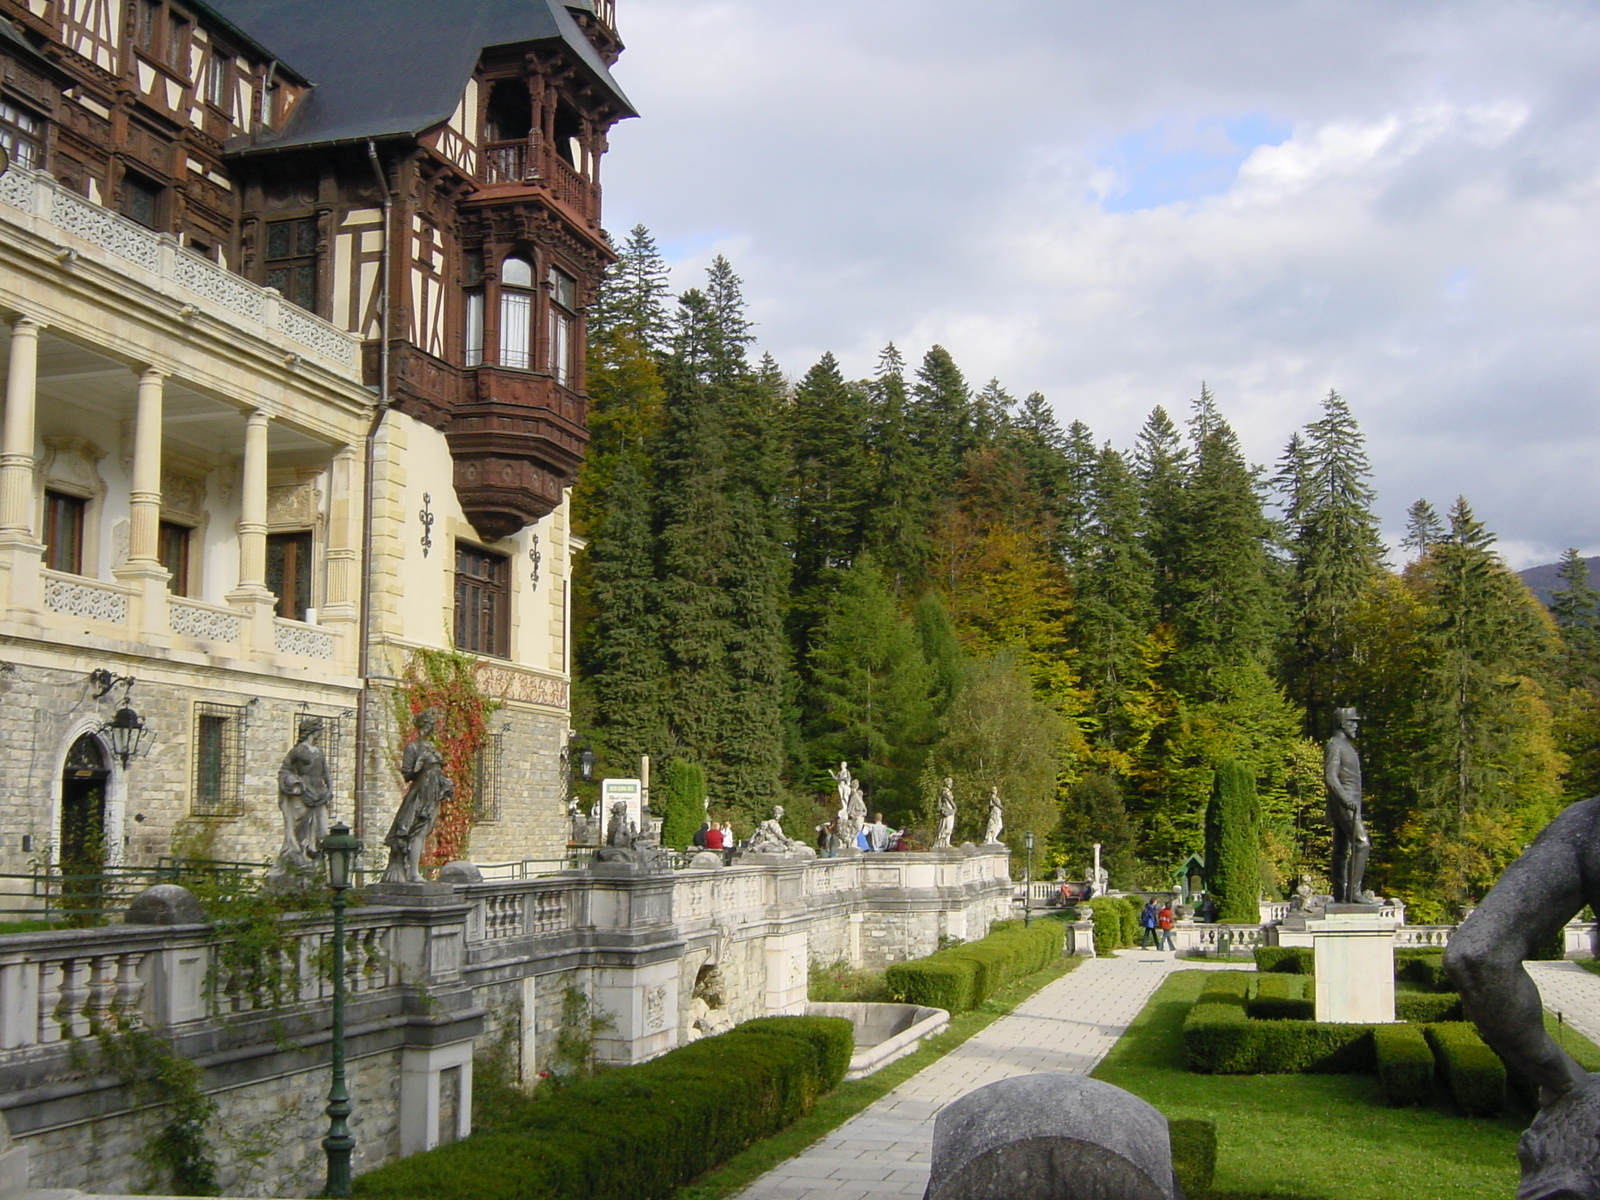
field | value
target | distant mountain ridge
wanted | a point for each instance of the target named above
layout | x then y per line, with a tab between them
1543	580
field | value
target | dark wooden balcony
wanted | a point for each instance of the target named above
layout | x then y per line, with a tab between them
526	163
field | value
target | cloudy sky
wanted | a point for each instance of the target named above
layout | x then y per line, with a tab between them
1112	202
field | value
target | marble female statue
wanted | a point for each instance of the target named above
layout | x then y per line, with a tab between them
842	780
991	831
423	768
303	794
947	815
855	816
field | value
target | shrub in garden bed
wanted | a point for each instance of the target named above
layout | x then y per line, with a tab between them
1476	1076
1423	969
1281	998
1405	1064
637	1132
1424	1008
962	977
1116	923
1289	960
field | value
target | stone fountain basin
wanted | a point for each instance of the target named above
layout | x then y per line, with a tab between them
884	1032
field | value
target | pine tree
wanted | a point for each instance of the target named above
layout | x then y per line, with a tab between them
896	520
1115	608
875	691
1074	507
1424	530
1487	766
633	298
1094	813
1225	601
831	483
941	417
1161	463
1233	845
1575	605
1337	555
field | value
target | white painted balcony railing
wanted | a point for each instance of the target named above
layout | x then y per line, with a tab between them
209	622
79	596
33	200
307	641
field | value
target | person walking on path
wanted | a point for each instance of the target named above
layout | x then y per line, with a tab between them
1164	923
1148	919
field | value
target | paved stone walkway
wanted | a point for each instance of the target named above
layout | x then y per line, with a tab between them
1568	989
884	1150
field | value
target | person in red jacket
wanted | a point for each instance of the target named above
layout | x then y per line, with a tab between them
1164	923
713	838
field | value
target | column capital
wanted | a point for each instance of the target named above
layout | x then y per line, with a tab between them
152	374
257	416
28	325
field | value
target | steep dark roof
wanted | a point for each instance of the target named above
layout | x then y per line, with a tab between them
384	68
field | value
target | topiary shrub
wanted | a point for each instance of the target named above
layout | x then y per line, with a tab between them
1405	1064
1423	969
682	797
1291	960
1425	1008
1219	1038
1110	919
1194	1153
1281	997
962	977
1233	844
1476	1076
935	982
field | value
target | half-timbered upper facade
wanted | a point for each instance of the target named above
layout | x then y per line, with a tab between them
294	386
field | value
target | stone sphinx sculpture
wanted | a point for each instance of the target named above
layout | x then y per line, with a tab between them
769	838
422	767
626	844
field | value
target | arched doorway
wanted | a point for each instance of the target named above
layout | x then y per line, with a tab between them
83	807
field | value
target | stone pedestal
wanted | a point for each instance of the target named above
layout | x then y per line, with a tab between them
1354	953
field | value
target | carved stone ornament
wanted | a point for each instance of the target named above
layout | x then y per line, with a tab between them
293	504
71	462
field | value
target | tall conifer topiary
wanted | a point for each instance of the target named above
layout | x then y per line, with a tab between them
681	800
1233	844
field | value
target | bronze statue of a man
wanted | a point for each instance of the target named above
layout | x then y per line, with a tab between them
1341	769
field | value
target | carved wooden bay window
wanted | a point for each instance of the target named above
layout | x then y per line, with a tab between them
22	135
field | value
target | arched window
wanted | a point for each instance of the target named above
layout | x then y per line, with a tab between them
516	313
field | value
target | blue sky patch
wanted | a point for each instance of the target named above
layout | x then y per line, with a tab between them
1170	162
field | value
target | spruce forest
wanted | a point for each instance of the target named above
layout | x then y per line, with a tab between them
926	578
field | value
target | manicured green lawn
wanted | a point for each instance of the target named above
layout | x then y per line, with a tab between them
1314	1137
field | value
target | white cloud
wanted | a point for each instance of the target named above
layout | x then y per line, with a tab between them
1424	236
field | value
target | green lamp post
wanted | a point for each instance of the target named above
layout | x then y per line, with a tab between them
340	849
1027	886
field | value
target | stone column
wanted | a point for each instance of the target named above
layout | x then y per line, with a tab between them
341	605
144	500
16	442
21	554
253	507
251	594
143	569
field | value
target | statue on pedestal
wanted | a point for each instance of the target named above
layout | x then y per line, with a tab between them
422	767
997	812
843	783
855	816
947	815
1342	772
303	794
769	838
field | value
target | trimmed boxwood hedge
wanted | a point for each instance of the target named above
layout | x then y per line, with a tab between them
1116	923
1423	969
1405	1064
637	1132
1476	1076
962	977
1289	960
1281	998
1425	1008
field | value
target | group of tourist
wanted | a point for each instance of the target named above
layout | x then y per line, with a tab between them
714	836
1157	920
873	837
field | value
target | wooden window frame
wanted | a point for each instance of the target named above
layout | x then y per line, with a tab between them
297	230
57	552
286	605
178	565
25	146
477	632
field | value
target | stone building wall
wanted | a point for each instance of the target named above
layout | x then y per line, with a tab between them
150	807
267	1135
